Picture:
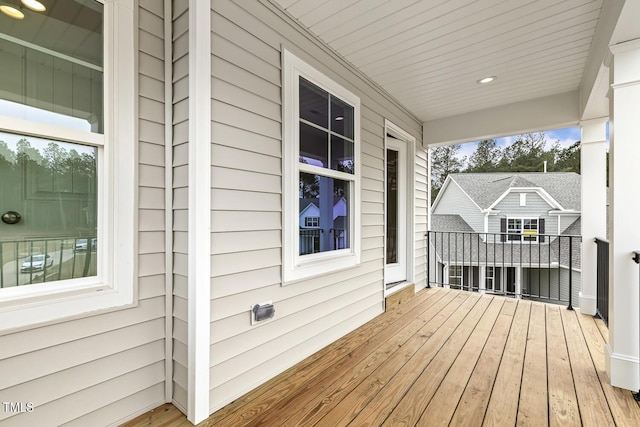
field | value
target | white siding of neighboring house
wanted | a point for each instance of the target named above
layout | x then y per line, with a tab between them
103	369
536	207
455	202
180	199
246	204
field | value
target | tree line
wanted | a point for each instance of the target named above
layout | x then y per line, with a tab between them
527	154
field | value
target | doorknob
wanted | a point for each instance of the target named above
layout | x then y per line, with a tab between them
11	217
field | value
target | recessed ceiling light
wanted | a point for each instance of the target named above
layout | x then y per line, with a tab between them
339	118
11	11
34	5
486	80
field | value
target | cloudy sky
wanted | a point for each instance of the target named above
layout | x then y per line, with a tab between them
566	136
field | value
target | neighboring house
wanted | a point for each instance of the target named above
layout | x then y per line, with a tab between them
177	135
313	228
508	233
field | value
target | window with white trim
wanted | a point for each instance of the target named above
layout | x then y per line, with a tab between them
489	278
455	275
321	144
67	159
312	221
522	229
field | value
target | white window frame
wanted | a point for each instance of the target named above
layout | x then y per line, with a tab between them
489	278
521	236
296	267
454	268
113	287
312	221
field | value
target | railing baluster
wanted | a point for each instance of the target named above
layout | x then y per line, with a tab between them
570	271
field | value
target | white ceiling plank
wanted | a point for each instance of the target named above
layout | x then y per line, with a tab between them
355	13
429	54
328	10
302	7
478	35
385	26
515	49
474	70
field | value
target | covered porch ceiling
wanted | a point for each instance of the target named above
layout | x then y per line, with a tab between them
549	58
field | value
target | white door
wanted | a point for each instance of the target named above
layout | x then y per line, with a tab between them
395	211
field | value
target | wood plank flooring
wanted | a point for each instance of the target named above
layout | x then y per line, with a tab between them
445	358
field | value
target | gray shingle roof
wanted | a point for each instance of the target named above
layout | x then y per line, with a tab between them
485	188
449	223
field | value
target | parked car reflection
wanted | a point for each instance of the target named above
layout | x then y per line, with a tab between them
36	262
81	245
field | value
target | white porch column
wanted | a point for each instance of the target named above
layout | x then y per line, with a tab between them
518	282
593	169
482	286
624	177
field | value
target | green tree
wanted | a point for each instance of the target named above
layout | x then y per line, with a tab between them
568	159
527	154
485	158
444	161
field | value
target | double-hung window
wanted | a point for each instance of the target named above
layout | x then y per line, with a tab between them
67	158
321	145
455	275
522	229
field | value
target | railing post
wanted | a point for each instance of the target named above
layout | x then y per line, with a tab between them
428	259
570	271
636	258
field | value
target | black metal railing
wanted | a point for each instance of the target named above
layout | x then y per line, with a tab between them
310	239
539	267
602	279
30	261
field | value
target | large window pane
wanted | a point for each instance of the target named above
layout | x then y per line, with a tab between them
52	186
52	65
341	118
314	146
314	103
326	199
342	155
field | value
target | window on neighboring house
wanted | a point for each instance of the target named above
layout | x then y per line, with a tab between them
455	275
322	146
59	157
312	221
522	229
489	278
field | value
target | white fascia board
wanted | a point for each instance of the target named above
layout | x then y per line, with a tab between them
551	112
541	192
564	212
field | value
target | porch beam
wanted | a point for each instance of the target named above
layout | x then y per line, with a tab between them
551	112
593	169
624	176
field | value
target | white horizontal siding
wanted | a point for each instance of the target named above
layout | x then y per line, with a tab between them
104	369
246	241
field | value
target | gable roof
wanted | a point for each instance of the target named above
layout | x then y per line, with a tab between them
485	188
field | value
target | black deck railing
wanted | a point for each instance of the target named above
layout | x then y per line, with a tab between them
310	239
602	279
533	266
30	261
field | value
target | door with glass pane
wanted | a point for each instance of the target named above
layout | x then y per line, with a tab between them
395	211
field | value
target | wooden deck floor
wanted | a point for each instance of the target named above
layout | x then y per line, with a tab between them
443	358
